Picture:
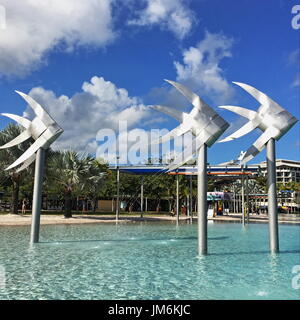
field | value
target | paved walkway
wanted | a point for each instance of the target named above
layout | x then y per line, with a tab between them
20	220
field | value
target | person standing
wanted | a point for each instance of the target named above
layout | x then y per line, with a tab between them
24	206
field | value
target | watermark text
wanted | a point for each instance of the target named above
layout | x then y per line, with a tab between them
296	17
296	278
2	18
2	277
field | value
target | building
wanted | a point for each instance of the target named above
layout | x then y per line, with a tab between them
286	170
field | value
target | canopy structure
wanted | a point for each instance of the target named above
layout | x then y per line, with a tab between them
222	173
214	171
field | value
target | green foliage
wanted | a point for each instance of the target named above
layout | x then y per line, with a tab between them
11	180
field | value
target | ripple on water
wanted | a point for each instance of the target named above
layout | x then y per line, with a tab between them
147	261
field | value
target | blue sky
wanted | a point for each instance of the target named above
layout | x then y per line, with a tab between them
93	62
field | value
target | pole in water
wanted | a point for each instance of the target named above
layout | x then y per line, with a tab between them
243	200
191	198
37	196
248	200
272	197
118	191
142	197
177	199
202	200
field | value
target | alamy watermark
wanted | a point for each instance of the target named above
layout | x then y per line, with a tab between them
2	277
136	146
296	18
2	18
296	278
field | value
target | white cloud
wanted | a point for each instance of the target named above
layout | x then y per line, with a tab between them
201	68
293	62
296	82
100	105
173	15
33	27
294	57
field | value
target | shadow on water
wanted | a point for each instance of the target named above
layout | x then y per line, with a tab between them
128	240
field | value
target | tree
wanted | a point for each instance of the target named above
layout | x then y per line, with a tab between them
7	157
69	171
94	180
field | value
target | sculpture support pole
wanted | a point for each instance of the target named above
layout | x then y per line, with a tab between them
248	200
272	196
37	195
191	198
142	197
118	193
177	199
243	200
202	200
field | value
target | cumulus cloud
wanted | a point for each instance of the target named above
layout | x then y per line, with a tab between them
293	61
33	27
294	57
296	82
100	105
172	15
201	69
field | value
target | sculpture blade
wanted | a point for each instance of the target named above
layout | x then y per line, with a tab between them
248	127
20	120
186	155
194	99
25	135
169	111
170	135
177	163
27	163
191	96
259	144
39	143
37	108
261	97
246	113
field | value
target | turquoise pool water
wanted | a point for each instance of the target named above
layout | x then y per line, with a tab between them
147	261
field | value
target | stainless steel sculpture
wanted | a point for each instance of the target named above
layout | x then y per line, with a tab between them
270	117
274	121
233	162
44	130
207	126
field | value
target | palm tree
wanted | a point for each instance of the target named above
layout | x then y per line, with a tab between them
94	180
7	157
68	171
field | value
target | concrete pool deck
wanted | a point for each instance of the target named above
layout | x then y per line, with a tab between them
23	220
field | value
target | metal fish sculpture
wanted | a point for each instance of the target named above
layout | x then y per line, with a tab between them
43	129
270	117
203	122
